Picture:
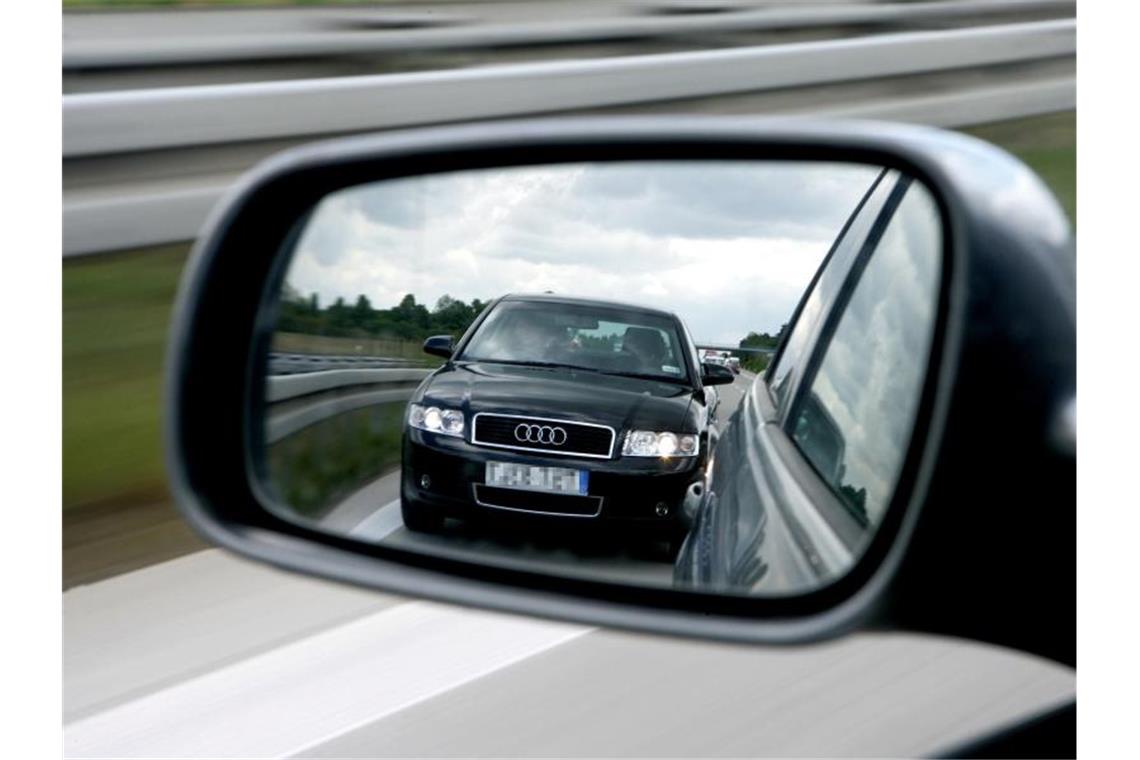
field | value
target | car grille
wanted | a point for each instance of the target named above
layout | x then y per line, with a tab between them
542	434
538	503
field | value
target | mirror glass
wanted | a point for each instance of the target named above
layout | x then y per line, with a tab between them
697	375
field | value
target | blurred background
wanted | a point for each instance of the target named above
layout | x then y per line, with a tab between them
167	101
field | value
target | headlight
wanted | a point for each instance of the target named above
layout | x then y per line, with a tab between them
436	420
649	443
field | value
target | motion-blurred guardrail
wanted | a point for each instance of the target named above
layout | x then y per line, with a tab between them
191	141
197	50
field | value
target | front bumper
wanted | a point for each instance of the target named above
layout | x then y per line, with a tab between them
644	493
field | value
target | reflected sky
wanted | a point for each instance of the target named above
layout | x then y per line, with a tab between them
871	377
730	246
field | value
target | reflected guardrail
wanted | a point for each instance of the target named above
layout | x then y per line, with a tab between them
300	400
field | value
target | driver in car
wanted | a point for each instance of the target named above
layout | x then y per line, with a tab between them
645	348
540	340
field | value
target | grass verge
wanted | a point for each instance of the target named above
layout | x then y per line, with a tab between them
116	314
1048	144
322	464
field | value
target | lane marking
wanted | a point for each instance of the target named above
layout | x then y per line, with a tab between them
289	700
380	524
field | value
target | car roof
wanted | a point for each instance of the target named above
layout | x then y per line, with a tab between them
555	298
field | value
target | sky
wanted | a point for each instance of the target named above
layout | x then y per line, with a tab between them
729	246
871	377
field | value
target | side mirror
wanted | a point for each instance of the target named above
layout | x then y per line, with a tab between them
926	282
440	345
716	374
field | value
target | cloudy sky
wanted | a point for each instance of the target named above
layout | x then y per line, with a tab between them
730	246
871	377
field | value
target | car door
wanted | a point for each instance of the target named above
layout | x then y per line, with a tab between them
802	474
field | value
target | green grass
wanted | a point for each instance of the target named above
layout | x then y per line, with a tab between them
1048	144
756	363
116	311
323	463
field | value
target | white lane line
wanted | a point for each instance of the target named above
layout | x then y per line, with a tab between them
289	700
380	524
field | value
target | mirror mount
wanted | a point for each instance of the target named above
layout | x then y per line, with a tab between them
440	345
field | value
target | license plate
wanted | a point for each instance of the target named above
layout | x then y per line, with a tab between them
533	478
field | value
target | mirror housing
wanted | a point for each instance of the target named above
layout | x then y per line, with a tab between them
716	374
1004	348
440	345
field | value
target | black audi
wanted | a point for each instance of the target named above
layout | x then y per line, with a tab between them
558	408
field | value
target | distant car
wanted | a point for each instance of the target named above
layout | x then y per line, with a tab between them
733	363
714	357
562	409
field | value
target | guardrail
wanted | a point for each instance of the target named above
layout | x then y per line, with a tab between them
287	364
298	401
230	48
99	124
142	127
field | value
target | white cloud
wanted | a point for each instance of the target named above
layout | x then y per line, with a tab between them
728	246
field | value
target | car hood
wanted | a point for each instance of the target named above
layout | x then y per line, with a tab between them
559	393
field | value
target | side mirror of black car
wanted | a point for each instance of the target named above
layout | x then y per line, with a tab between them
440	345
716	374
901	288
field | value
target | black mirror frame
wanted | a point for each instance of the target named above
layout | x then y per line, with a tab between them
440	345
215	362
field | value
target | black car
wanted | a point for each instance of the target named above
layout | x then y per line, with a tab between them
564	409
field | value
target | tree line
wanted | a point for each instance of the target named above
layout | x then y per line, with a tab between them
759	362
414	321
407	320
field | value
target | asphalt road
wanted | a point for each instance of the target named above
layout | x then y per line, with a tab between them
373	514
212	656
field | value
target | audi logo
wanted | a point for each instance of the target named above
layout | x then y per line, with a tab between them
554	436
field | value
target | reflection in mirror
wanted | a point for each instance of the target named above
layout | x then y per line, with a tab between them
565	369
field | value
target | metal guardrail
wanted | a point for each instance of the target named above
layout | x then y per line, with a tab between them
298	401
230	48
285	387
288	364
135	126
118	122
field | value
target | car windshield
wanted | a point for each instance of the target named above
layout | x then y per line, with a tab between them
609	340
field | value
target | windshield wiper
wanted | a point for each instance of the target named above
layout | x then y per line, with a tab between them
521	363
646	376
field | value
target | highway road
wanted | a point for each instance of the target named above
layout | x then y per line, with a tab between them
212	656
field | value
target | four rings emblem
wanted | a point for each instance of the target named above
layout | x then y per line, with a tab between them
554	436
